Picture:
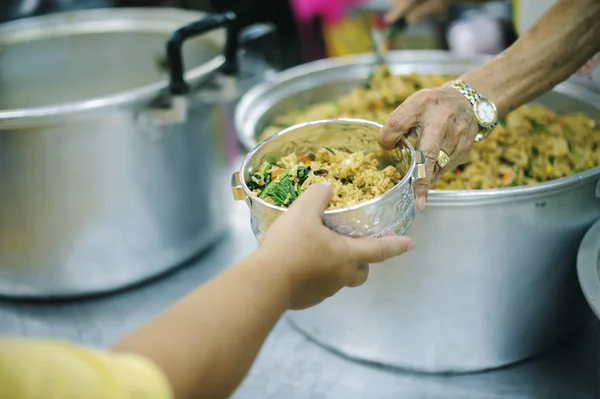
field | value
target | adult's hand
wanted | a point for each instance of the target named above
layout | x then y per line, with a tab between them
415	10
319	261
441	119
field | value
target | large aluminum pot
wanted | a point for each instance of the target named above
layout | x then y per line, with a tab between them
392	211
110	172
588	272
492	280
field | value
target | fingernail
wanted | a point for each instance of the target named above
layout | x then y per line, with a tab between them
390	234
410	246
421	203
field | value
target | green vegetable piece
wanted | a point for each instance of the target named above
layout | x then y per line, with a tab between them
279	191
330	150
252	185
568	132
537	127
303	172
267	174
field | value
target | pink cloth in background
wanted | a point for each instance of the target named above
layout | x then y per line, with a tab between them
332	11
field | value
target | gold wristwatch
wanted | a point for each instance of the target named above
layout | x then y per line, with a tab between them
484	109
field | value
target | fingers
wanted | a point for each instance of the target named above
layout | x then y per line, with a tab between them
430	142
314	200
361	275
399	124
398	9
375	250
426	9
457	144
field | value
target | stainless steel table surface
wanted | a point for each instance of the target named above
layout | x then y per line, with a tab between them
291	366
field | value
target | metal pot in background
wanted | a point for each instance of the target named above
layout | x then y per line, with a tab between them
588	271
114	163
492	279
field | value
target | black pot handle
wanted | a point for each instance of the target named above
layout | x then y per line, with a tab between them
178	85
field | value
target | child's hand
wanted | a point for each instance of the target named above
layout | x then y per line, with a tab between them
318	261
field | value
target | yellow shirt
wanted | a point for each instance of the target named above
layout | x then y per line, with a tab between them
32	369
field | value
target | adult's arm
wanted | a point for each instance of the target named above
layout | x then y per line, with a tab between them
206	343
557	45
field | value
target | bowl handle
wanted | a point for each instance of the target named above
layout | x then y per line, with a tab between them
236	187
420	171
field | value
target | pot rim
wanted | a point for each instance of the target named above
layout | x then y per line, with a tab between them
247	100
435	197
405	179
588	272
25	116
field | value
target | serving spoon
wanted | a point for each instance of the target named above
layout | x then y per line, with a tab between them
379	43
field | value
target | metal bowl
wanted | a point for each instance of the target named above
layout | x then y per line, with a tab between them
391	211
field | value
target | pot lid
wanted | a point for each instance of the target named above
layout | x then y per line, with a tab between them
588	267
95	57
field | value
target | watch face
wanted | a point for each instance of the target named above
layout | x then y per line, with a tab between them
485	112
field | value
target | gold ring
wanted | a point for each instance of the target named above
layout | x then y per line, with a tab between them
443	159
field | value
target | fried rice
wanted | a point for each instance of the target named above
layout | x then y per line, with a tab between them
355	177
532	144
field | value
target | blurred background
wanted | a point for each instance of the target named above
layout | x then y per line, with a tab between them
300	31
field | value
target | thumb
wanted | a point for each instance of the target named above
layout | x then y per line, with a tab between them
430	143
422	187
375	250
314	200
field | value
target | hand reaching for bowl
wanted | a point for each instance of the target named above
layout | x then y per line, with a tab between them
318	261
442	120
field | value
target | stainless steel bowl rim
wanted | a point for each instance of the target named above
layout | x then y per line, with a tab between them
435	197
33	115
588	272
405	179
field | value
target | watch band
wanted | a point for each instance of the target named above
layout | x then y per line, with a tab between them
473	96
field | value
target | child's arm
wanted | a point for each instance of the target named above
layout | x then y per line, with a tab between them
206	343
203	346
